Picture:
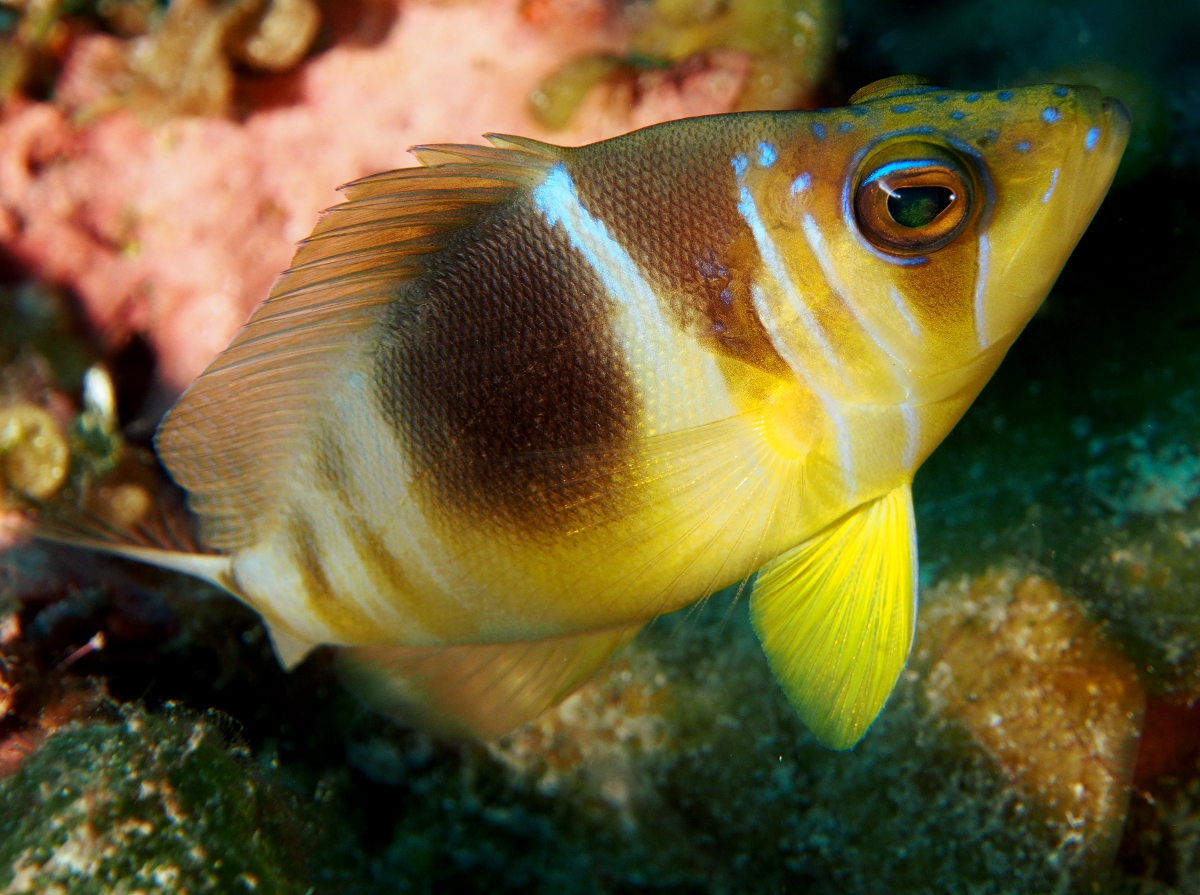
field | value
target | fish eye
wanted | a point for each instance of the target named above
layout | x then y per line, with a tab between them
913	197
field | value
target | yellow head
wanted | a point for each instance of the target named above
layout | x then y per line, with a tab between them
937	236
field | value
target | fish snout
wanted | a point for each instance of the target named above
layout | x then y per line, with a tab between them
1118	116
1113	117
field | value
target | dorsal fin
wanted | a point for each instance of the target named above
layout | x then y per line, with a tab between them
230	437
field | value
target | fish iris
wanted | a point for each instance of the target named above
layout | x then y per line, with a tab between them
917	206
915	196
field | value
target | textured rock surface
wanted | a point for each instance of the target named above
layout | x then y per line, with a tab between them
1037	684
154	803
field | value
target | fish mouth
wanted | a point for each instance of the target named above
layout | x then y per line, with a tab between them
1112	106
1118	117
1116	125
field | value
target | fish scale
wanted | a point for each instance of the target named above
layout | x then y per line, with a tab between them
507	407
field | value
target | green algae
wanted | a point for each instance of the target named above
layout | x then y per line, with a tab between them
40	327
789	45
152	802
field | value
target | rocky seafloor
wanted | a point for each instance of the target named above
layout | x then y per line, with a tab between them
1045	737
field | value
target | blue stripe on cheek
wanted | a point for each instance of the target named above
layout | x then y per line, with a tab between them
800	184
1092	138
1053	184
740	164
766	155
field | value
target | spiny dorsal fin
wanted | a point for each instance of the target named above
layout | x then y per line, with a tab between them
477	691
836	614
230	437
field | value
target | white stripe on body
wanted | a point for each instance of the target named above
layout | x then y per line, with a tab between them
816	244
679	383
379	477
773	262
912	435
981	283
901	306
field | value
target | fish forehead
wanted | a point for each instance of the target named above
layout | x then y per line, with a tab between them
1006	133
1001	131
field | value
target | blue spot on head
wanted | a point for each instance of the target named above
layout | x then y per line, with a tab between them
859	111
1050	114
973	97
1023	146
1004	95
1092	138
1061	91
766	155
845	127
818	130
957	115
740	164
904	108
941	98
800	184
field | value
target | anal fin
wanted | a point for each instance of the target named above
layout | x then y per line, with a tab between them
835	616
289	649
476	691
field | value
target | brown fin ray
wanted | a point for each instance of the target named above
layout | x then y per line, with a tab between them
524	144
480	691
229	439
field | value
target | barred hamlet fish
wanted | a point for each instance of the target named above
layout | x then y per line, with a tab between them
507	407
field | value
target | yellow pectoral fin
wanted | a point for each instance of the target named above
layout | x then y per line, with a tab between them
476	691
835	617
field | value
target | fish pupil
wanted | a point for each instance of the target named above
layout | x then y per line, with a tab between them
918	206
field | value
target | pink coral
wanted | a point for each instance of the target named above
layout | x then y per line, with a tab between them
178	231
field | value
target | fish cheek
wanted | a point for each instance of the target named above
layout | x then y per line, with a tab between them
717	308
940	293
